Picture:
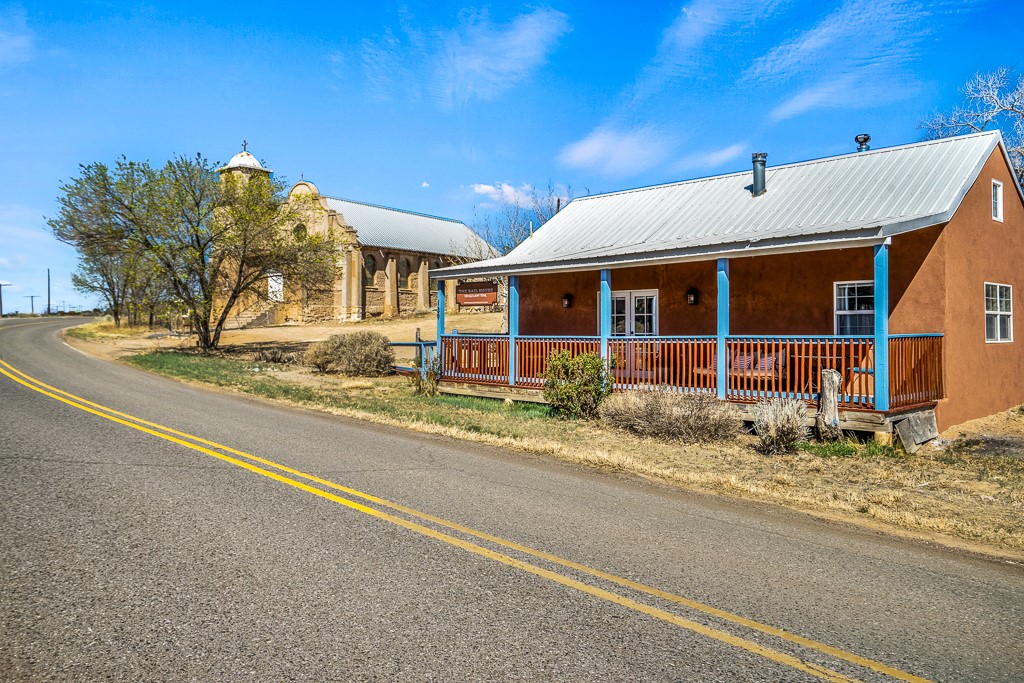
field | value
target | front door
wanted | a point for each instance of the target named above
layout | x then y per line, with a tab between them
635	313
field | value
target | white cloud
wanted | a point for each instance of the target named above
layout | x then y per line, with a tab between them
713	158
338	64
16	39
482	60
476	59
615	152
827	94
424	184
860	33
685	42
855	56
506	193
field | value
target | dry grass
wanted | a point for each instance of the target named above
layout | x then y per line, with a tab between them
969	494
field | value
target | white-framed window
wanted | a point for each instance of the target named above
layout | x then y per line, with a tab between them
275	286
998	312
855	307
634	313
997	201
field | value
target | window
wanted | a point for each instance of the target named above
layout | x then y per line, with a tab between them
998	313
855	307
275	286
997	201
404	271
369	270
635	313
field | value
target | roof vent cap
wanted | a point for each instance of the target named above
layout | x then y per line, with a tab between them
862	142
759	159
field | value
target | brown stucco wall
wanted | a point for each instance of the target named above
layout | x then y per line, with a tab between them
917	282
540	304
791	293
982	378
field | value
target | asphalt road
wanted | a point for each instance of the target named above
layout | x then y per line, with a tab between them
130	553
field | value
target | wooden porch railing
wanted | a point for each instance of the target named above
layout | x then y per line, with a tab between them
653	362
915	369
764	367
478	358
532	354
756	366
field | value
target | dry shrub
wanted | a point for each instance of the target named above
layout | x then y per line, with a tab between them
359	354
276	354
779	425
426	377
690	418
574	386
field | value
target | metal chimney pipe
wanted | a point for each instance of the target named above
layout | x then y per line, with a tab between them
759	159
862	141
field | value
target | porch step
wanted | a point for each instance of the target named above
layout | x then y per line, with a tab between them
497	391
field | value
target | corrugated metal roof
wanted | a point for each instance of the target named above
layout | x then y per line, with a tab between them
386	228
855	197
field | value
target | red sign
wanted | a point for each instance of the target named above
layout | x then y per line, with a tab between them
476	294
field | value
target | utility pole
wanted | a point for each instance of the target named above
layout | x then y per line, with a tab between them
2	285
48	309
32	301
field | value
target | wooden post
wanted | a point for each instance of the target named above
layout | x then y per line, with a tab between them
882	325
440	314
828	406
513	326
722	332
605	311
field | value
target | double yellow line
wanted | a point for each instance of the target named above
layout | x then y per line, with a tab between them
302	481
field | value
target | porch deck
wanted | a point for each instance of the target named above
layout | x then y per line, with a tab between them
755	367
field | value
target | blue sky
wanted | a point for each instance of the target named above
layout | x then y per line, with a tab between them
444	108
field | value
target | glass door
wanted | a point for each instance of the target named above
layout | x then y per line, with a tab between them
635	313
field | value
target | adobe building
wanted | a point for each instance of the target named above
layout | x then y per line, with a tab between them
899	268
385	257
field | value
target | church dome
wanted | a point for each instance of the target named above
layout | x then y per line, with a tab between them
244	160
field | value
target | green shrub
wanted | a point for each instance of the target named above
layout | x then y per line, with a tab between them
359	354
575	386
690	418
779	425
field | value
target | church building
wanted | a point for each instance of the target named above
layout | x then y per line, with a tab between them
385	258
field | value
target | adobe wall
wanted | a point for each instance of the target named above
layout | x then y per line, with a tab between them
983	378
781	294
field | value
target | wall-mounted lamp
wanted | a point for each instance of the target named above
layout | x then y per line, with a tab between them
567	301
691	296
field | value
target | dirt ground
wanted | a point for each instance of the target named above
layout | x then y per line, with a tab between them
291	337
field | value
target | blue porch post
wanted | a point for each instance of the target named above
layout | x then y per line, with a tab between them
723	325
882	326
513	325
440	314
605	311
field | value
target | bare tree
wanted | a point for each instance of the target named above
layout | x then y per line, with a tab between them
990	102
516	218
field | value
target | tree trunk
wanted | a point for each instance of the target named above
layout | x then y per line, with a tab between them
828	406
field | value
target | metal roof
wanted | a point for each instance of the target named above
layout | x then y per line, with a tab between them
386	228
847	200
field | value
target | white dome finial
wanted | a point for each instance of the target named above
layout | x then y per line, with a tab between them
244	161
